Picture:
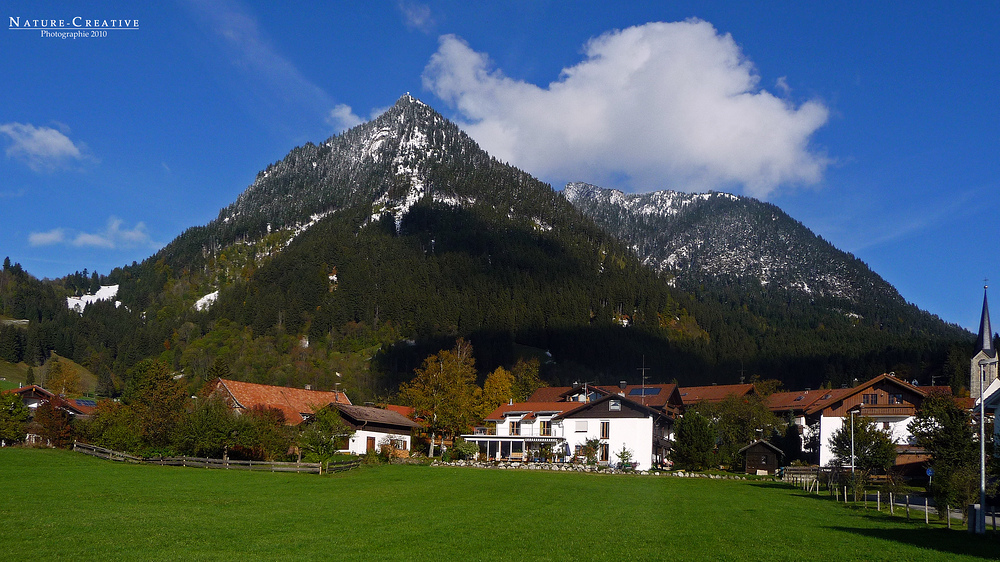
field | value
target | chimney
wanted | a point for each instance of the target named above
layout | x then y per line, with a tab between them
309	387
622	384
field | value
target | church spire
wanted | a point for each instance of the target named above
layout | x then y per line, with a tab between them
984	342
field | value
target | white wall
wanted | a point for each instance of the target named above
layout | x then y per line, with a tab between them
358	444
828	426
635	434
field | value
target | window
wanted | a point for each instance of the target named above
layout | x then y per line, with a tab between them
615	405
605	429
545	428
515	428
605	452
581	426
895	398
870	399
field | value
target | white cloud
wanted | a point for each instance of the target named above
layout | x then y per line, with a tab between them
342	117
113	237
40	148
54	236
416	16
664	105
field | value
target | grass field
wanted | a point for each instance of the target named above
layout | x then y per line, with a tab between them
67	505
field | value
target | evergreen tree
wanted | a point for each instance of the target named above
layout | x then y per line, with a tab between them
694	443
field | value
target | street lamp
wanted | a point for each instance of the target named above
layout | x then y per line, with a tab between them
981	512
852	411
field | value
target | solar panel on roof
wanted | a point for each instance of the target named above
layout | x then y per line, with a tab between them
644	392
86	402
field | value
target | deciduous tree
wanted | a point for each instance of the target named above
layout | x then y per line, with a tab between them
442	392
945	430
874	450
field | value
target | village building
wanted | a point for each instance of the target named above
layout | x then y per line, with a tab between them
375	427
983	365
761	458
297	404
559	430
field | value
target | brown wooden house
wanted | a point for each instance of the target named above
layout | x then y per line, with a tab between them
762	457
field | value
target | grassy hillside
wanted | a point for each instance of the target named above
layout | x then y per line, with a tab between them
73	506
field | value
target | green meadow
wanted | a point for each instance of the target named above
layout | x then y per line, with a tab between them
60	504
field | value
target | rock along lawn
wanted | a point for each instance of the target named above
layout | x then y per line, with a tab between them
65	504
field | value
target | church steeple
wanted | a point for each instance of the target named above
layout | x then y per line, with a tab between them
984	342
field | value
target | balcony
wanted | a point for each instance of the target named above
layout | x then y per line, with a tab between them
898	410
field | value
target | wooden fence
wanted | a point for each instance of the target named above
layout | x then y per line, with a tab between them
226	464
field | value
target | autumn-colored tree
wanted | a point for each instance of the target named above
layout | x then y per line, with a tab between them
62	379
443	391
498	389
54	424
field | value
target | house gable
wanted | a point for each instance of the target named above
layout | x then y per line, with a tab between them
884	395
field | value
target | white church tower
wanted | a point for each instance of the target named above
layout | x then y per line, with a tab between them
984	361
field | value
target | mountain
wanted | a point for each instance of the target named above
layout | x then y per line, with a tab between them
740	248
350	261
714	237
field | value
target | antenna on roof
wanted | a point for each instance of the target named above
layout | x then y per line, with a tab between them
643	371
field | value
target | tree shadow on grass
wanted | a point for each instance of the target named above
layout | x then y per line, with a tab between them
768	484
940	540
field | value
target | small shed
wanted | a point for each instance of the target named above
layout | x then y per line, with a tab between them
762	457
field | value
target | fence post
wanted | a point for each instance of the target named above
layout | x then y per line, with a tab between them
927	517
892	504
947	513
878	500
907	507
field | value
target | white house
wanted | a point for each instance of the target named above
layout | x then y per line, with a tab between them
375	426
530	430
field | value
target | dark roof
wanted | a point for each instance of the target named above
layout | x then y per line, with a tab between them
984	341
766	444
368	414
576	412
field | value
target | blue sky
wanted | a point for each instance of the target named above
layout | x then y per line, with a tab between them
874	124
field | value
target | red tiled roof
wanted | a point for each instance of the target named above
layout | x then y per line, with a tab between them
714	393
532	409
403	410
293	402
548	394
797	400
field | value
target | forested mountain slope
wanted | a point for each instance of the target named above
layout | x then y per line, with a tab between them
365	253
